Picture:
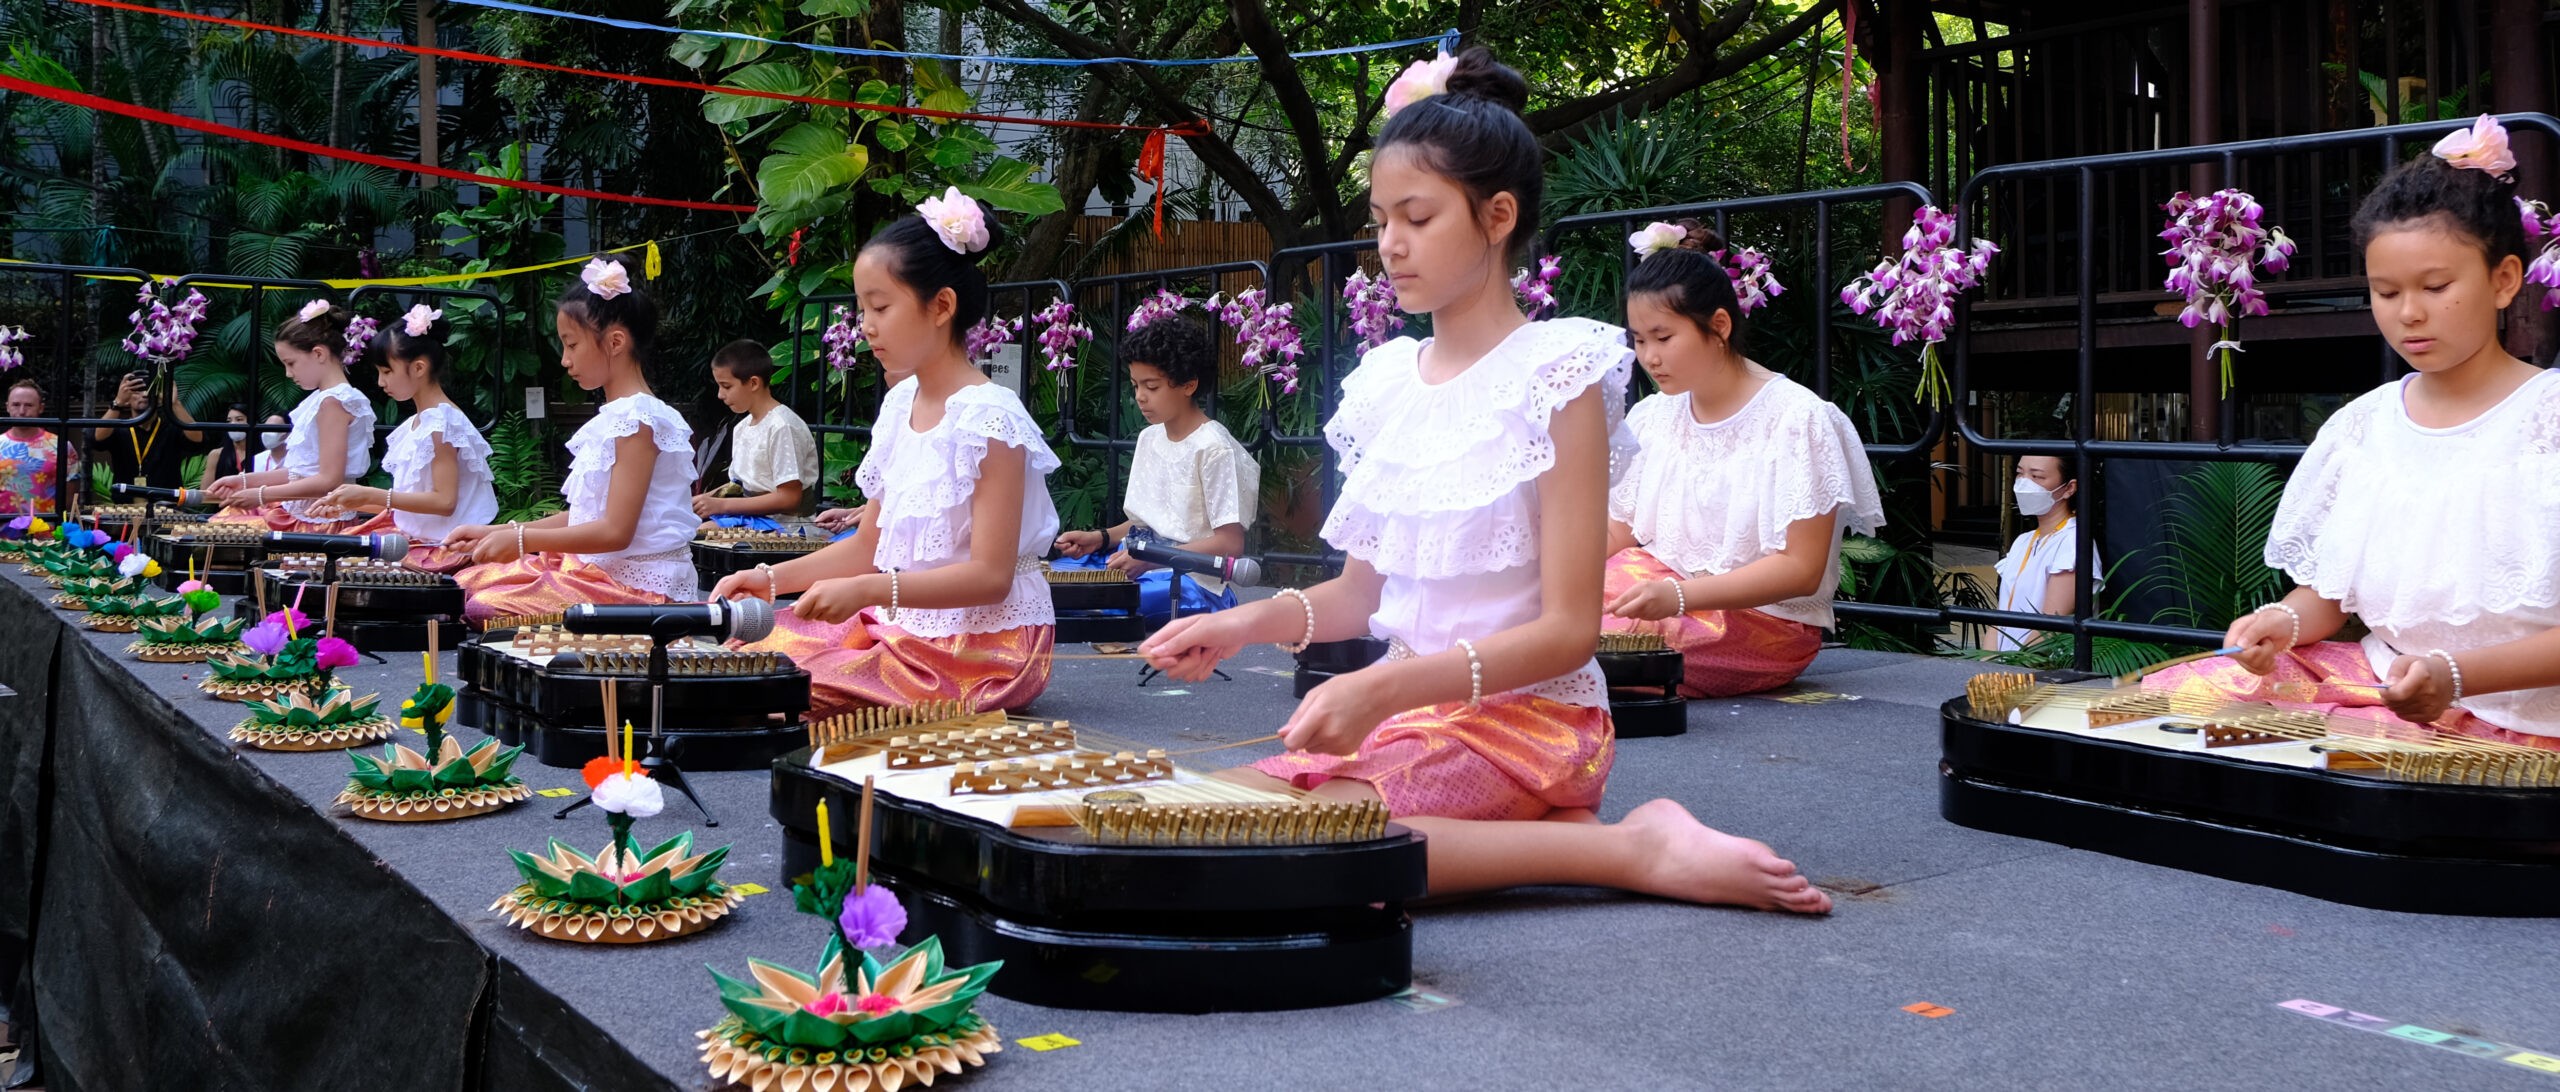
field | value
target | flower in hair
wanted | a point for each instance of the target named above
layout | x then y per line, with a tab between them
957	219
311	310
421	320
360	331
1163	305
1656	238
1421	80
605	277
2482	147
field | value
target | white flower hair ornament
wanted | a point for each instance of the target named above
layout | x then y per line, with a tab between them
1420	80
421	319
311	310
2482	147
605	278
957	219
1656	238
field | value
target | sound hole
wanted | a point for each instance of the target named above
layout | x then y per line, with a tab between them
2182	727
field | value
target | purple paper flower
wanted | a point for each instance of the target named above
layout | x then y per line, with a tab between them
1268	333
1161	305
1372	303
843	339
1538	291
1060	333
1914	295
2216	248
265	638
10	355
289	618
872	918
333	652
1753	285
990	333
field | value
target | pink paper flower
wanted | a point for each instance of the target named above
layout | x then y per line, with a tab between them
1420	80
605	277
830	1003
2482	147
876	1004
311	310
334	652
290	618
421	320
957	219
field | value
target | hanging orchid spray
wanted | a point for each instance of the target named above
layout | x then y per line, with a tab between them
1268	332
1060	333
2541	226
163	334
843	338
2216	249
1538	290
1372	303
1914	295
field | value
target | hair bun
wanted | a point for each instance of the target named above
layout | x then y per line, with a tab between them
1700	237
1479	76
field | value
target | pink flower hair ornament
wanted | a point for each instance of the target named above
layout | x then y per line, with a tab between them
1420	80
2482	147
421	320
311	310
605	277
957	220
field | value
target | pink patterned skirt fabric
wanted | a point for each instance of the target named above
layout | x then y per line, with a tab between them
539	584
1724	652
2328	677
864	662
1518	756
434	559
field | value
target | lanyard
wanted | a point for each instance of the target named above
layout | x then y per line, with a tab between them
139	446
2034	541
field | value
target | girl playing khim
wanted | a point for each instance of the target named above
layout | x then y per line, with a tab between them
1191	485
1725	531
773	459
939	595
2036	576
1473	509
627	536
2426	507
438	462
332	439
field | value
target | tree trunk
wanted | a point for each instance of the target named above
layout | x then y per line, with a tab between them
337	67
429	129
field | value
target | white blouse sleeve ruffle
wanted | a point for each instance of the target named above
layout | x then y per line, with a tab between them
302	445
925	493
411	455
1711	500
1434	475
2404	529
591	449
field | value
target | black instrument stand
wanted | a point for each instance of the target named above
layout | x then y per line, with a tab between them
662	767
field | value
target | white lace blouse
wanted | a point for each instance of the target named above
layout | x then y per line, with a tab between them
924	481
660	556
1440	481
1707	499
1184	489
302	445
764	454
2436	537
410	459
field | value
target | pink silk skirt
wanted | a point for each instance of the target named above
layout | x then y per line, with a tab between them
1724	652
276	519
863	662
539	584
1518	756
434	559
2328	677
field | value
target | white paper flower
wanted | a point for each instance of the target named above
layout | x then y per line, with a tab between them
1656	237
634	795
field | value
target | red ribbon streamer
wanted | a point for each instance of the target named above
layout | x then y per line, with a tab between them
145	113
652	81
1151	161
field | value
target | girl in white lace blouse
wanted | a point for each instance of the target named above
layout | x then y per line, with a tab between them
940	594
2429	508
438	461
1473	511
627	535
1725	531
1191	485
332	438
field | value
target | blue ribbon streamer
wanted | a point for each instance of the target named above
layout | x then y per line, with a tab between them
1447	39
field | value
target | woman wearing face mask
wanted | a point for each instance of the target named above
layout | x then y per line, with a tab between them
270	445
2037	577
238	447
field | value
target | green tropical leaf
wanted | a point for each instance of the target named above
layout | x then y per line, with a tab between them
941	89
813	162
1007	185
779	77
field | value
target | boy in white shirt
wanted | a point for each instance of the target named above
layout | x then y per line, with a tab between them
773	459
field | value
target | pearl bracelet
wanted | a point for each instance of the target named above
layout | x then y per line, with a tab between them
1308	606
2455	669
893	596
520	552
1683	596
1475	674
772	584
2296	638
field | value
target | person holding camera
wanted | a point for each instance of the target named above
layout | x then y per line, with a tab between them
151	453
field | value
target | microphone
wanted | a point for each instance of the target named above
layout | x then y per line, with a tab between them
388	546
1234	570
732	619
124	491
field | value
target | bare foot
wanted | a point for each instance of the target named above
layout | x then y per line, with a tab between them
1697	863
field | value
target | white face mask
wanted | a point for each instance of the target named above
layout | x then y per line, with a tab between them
240	437
273	439
2033	499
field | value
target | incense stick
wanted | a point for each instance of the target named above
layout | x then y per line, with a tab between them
862	839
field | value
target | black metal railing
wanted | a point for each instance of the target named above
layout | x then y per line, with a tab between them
68	378
1106	302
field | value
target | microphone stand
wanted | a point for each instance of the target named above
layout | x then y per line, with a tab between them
661	766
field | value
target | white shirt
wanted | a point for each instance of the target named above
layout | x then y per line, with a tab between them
2032	559
410	459
302	445
1440	481
265	459
2437	537
1706	499
765	453
924	483
660	556
1183	490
